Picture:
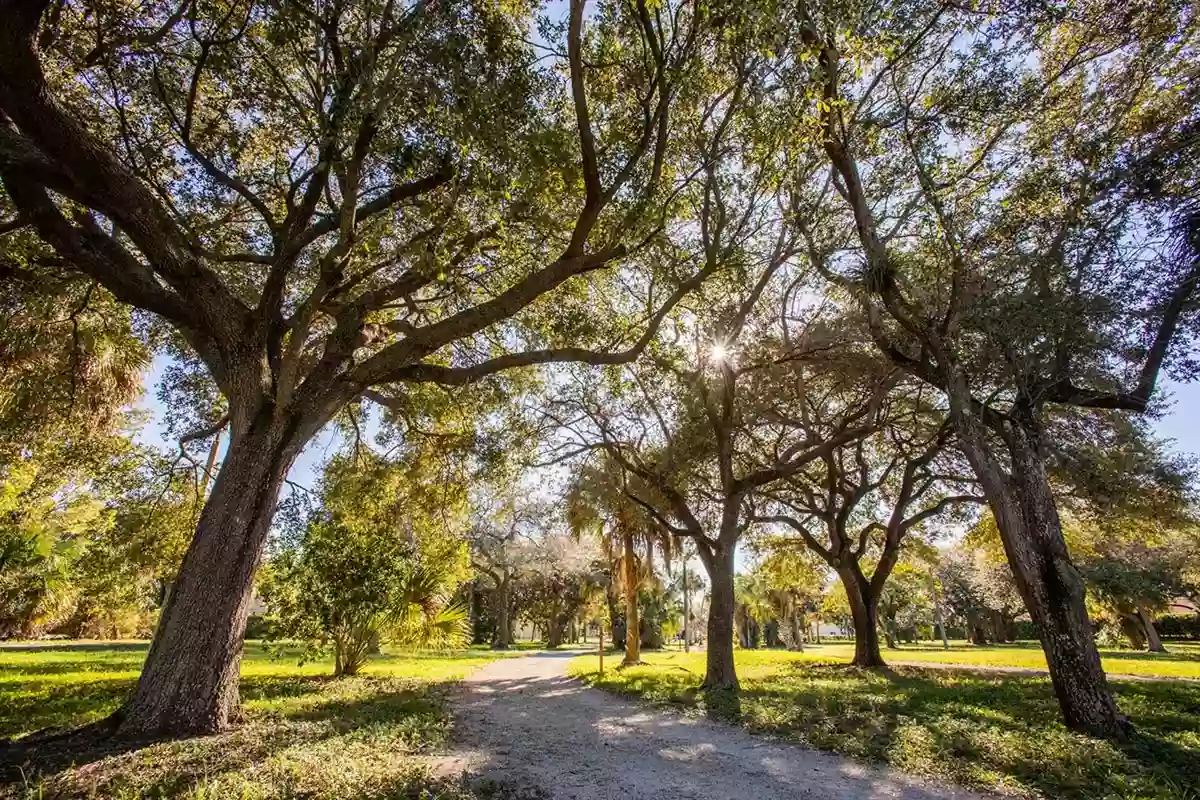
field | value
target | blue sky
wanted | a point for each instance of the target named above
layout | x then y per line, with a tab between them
1181	425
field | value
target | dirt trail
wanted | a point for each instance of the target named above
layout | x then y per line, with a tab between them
522	724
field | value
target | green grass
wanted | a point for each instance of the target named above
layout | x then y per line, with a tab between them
1182	660
304	734
993	732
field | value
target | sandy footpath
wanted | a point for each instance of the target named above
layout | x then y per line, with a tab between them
522	724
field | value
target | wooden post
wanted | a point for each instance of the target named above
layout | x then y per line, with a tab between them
601	648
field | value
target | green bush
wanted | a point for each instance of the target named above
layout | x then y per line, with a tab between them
1178	626
257	627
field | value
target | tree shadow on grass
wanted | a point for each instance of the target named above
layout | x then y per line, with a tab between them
293	729
973	728
977	729
77	647
36	705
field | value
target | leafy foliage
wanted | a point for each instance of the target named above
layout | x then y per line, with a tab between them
91	533
376	562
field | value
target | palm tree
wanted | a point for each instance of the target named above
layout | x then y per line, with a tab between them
598	505
753	608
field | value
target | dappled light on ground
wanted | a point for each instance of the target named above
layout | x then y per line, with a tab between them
522	723
304	734
988	731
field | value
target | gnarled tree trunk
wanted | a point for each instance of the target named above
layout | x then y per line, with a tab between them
864	611
1050	584
189	683
719	669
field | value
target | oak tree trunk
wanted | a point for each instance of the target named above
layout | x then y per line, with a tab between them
556	629
999	633
1153	642
1053	591
503	638
1132	627
189	683
719	669
1027	517
864	612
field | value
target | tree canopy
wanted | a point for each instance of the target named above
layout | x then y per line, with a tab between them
844	269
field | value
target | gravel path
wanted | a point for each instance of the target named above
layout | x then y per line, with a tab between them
524	725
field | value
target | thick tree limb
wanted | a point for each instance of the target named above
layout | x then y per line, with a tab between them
433	373
97	179
1137	399
587	140
397	361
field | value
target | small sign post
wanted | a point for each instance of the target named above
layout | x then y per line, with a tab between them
601	648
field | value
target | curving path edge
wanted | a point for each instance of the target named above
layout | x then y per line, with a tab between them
526	727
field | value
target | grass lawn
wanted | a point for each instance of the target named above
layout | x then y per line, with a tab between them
1182	660
304	734
994	732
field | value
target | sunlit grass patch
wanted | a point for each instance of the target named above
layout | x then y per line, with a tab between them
1181	661
303	734
993	732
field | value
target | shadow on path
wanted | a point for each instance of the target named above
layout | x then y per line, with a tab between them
523	725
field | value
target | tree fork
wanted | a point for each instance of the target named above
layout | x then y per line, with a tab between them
864	612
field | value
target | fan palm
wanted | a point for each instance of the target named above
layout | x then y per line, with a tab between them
598	505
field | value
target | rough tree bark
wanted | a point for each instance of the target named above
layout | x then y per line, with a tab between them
864	611
719	669
189	683
1047	579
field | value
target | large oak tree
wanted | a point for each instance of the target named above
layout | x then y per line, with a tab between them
322	199
1006	184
